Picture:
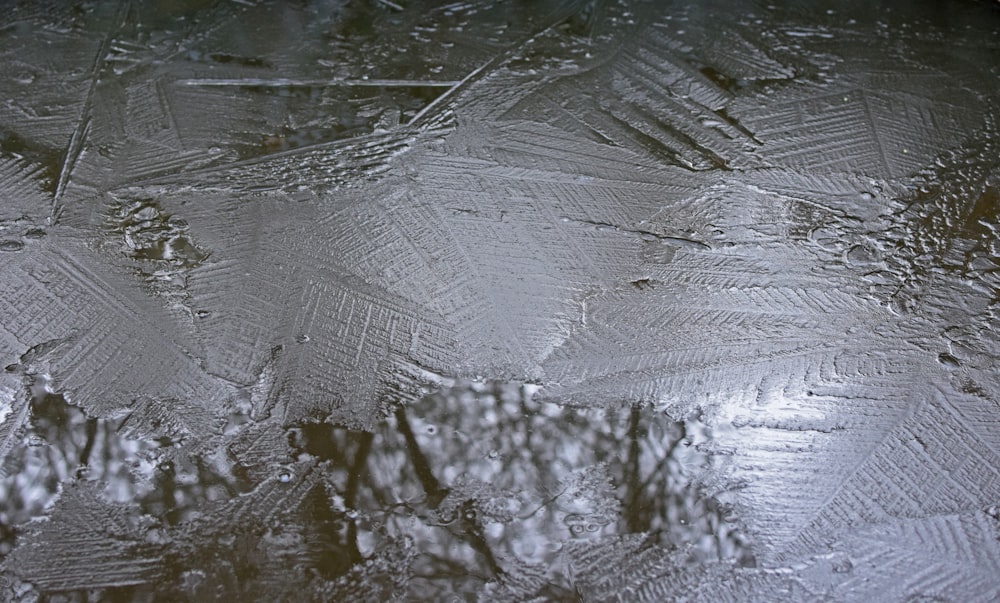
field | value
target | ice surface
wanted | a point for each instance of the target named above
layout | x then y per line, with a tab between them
499	301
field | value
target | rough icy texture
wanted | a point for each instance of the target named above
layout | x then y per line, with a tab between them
568	300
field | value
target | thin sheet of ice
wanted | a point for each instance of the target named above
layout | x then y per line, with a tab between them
587	300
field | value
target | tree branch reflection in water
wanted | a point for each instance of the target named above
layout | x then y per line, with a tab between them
61	444
480	475
476	484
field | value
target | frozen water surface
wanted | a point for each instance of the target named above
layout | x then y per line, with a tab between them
499	301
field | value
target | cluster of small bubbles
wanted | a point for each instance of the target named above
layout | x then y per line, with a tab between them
448	515
578	529
150	234
582	524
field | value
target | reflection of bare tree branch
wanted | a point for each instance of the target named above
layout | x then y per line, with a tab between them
53	478
428	481
324	549
108	452
324	441
472	530
633	495
474	534
168	487
544	504
525	418
667	456
351	491
91	431
358	467
540	450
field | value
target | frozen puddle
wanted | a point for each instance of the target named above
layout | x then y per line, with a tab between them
476	301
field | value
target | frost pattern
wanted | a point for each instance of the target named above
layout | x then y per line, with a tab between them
594	301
